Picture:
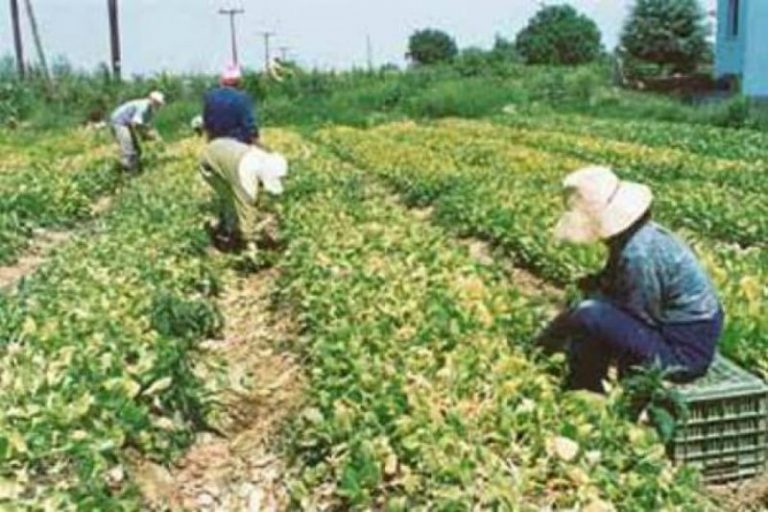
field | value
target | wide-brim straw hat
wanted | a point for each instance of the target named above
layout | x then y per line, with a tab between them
270	168
600	205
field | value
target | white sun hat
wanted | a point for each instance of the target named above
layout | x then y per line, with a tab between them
157	97
600	205
268	168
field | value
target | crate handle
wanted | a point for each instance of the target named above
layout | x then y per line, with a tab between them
722	464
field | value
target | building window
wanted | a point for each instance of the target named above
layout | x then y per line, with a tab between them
733	18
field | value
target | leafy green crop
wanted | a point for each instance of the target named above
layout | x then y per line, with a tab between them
424	392
51	185
96	347
481	184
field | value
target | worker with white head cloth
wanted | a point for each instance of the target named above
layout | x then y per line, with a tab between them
653	303
237	172
130	123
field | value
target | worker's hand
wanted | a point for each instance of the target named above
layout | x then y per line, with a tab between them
259	144
154	135
589	283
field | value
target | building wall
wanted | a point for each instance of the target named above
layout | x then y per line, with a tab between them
755	81
729	55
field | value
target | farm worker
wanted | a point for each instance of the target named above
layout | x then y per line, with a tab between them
235	171
197	125
228	112
653	303
130	121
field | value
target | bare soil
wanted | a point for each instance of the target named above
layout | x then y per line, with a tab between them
749	496
43	243
244	469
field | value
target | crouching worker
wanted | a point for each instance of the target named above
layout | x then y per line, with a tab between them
130	123
236	171
652	304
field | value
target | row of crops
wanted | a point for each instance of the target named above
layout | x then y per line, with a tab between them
422	394
424	391
96	347
50	183
496	184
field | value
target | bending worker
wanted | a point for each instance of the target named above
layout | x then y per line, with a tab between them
229	112
236	171
652	304
130	122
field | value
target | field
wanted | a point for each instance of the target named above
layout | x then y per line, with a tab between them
414	266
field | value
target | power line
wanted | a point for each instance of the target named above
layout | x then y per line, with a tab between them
17	42
232	29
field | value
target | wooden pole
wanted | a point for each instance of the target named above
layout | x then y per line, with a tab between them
114	39
267	53
38	42
233	30
17	42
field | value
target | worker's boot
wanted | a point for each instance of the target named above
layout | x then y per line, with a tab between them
222	239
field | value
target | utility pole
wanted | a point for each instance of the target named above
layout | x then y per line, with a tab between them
284	52
267	56
114	40
17	38
38	42
232	29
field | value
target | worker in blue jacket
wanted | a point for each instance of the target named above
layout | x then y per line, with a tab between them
228	112
653	303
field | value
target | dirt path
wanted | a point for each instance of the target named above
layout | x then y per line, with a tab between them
243	470
43	243
748	496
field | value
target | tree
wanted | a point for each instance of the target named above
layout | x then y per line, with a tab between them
430	46
559	34
672	34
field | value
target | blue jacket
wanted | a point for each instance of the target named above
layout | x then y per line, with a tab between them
229	113
654	276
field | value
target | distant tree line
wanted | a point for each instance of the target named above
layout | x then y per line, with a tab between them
660	37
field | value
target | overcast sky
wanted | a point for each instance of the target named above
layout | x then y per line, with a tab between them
189	35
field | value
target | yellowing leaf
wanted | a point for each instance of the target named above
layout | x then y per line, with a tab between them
158	386
599	506
564	448
10	490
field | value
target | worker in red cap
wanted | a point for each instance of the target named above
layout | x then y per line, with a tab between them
228	112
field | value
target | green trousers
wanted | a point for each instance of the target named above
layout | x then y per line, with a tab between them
219	166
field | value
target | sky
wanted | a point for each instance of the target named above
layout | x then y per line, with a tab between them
190	35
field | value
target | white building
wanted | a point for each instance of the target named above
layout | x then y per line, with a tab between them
742	43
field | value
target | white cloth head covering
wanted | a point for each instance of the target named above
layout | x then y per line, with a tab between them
268	168
157	97
600	205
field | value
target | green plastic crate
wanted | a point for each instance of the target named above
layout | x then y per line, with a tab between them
725	433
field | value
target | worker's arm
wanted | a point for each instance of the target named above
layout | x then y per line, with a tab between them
256	141
140	123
